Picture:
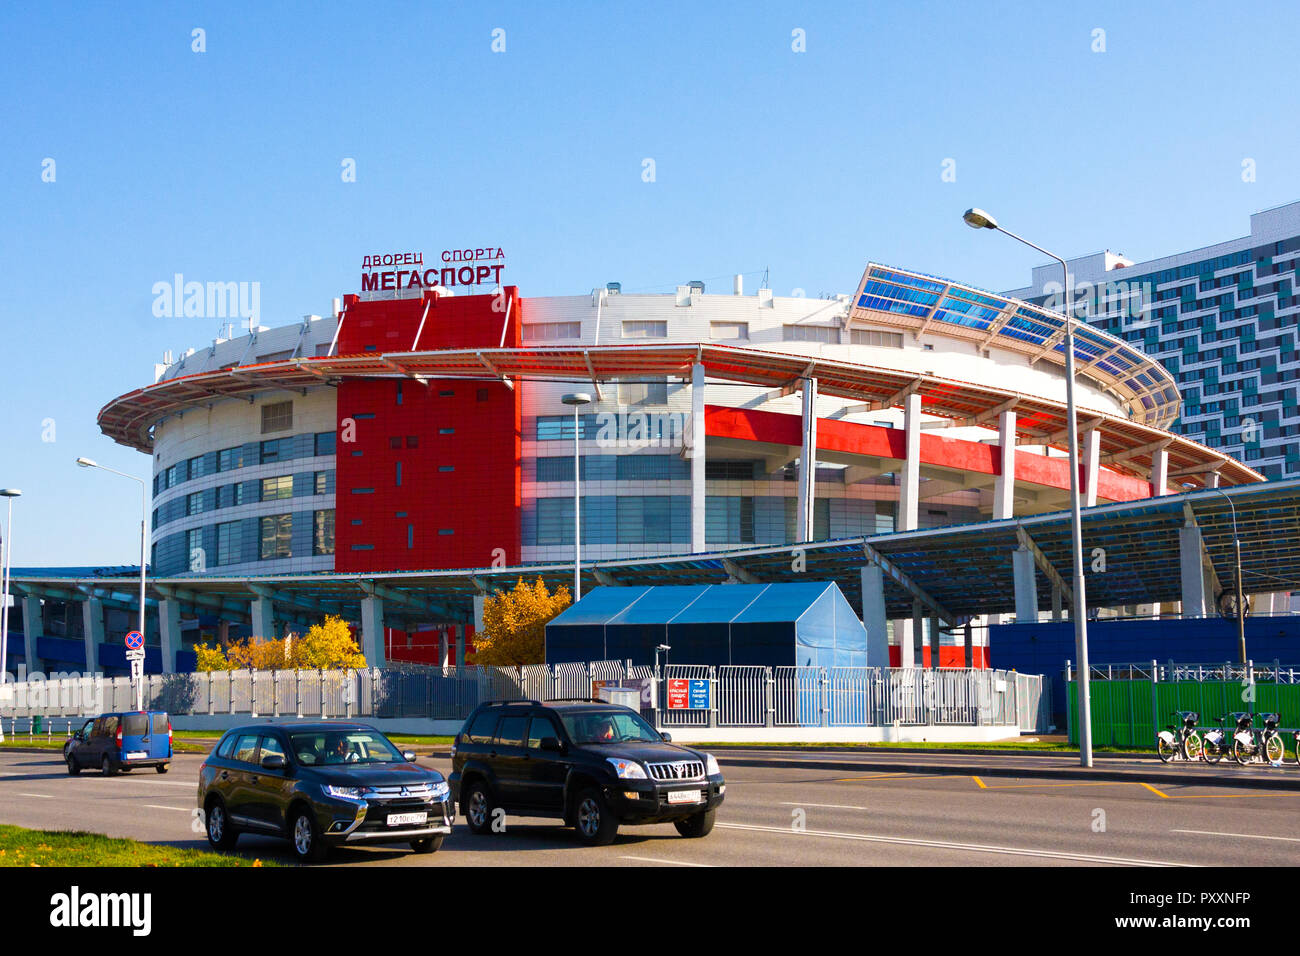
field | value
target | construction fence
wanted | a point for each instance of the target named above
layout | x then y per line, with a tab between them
1131	703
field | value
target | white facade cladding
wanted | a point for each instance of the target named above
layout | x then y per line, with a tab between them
1222	319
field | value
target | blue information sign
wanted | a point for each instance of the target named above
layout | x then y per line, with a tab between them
699	695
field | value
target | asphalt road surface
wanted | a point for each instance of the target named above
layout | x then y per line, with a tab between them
773	816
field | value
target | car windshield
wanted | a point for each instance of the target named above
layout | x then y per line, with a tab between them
343	747
607	726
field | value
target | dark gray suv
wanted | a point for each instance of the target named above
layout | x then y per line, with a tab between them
321	785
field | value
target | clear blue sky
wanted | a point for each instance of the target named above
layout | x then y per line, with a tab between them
225	166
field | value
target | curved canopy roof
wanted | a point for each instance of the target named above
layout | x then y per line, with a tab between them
917	302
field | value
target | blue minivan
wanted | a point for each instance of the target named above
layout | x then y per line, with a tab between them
121	741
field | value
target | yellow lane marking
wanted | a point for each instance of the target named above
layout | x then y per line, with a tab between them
1032	786
980	782
1154	790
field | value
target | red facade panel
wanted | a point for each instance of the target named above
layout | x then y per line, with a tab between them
427	474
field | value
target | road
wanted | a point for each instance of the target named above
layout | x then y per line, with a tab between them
773	816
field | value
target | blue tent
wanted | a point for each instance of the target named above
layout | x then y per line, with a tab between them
807	624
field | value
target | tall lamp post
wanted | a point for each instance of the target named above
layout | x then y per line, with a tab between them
1241	601
979	219
577	400
6	566
144	533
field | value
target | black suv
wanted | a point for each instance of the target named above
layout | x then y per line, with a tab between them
320	785
593	764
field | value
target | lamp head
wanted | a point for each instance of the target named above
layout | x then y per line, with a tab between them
87	463
576	398
979	219
9	493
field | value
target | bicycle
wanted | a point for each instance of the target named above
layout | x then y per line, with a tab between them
1216	741
1182	742
1249	743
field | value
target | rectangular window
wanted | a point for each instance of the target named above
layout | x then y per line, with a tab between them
645	329
324	443
643	393
399	473
322	538
413	441
229	539
395	441
555	427
276	532
554	521
558	468
277	417
890	340
363	491
194	503
729	520
275	449
322	483
551	331
811	333
729	330
229	459
410	536
193	543
273	489
196	467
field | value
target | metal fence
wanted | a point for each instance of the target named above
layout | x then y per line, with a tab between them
680	695
1131	703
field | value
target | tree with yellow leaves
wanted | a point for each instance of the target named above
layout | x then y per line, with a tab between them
514	624
327	646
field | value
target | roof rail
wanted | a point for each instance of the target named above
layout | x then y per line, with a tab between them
507	702
572	700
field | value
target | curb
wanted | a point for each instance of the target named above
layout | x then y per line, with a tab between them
1232	780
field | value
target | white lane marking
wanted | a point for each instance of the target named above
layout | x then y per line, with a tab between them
155	806
651	859
39	796
1244	836
821	806
970	847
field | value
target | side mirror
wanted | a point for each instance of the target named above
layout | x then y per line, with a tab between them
409	755
553	745
273	762
668	738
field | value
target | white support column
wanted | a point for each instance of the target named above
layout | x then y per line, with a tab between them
873	616
909	494
372	631
1160	473
444	647
1091	454
1004	486
92	618
914	634
479	601
169	633
1190	572
460	648
262	618
1023	574
1212	480
33	630
698	509
807	463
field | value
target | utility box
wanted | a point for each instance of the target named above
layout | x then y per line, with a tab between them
623	696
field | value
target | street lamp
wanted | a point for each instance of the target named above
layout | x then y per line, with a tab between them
1236	543
979	219
144	523
577	400
6	566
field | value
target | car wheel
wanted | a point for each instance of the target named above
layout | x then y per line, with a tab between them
221	834
477	807
307	843
428	844
73	769
595	824
162	767
107	766
697	825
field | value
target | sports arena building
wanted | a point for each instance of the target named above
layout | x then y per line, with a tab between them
420	427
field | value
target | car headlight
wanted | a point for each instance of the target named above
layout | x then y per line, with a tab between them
711	766
345	793
626	769
440	791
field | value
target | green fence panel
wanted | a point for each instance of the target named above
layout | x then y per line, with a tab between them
1122	709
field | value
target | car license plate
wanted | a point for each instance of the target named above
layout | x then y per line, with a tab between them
684	796
136	755
399	819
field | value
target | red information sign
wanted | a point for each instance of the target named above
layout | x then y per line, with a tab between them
678	694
